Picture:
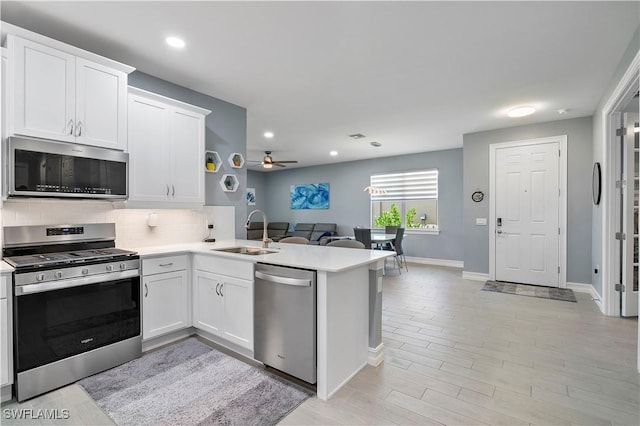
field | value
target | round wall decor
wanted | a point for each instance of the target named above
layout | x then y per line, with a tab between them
477	196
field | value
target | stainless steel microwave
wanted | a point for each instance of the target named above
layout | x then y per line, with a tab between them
43	168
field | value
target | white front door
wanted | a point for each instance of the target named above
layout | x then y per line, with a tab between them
527	213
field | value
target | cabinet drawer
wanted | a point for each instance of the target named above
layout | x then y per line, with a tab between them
5	282
222	265
158	265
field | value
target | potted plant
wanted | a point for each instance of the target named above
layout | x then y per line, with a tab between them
210	164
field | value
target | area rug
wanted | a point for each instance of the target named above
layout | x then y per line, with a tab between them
564	294
190	383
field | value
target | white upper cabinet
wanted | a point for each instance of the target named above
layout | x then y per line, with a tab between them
166	151
61	96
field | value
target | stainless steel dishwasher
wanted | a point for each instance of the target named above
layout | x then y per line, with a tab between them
285	320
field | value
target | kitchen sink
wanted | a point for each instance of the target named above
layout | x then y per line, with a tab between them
251	251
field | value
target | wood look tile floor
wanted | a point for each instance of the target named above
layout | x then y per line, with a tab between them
457	355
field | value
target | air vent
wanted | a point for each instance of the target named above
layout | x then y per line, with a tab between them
376	144
357	136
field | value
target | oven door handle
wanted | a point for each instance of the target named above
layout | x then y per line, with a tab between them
22	290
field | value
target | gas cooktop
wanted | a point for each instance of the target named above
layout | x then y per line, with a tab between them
66	257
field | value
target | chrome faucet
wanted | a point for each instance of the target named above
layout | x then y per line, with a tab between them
265	237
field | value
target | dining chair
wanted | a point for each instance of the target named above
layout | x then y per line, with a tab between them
346	243
389	229
397	247
364	236
294	240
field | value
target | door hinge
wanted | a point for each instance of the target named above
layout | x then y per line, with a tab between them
558	269
559	153
618	184
620	288
558	231
620	131
621	236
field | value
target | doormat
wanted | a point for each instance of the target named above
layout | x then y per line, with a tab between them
564	294
190	383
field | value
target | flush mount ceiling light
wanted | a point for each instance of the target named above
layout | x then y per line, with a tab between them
268	135
521	111
176	42
333	153
563	111
357	136
376	144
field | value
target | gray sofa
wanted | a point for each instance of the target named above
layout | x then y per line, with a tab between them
275	230
316	233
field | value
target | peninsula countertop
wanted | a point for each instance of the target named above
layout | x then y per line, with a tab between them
320	258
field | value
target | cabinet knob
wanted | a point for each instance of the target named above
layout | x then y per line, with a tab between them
57	274
109	268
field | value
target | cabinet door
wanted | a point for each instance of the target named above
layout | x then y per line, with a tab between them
187	153
238	309
149	144
5	350
208	307
164	303
44	90
101	105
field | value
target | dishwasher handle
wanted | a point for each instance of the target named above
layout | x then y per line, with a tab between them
283	280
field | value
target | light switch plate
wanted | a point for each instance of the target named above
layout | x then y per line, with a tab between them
481	221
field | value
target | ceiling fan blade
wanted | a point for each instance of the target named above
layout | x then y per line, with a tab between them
277	163
281	162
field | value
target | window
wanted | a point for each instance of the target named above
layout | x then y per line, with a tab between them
406	199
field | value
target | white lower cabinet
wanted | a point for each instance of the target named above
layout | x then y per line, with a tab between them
223	305
6	341
165	295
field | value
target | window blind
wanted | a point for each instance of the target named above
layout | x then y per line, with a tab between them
422	185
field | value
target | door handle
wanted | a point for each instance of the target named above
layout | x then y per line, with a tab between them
217	287
173	190
221	285
70	126
146	290
499	231
167	190
79	129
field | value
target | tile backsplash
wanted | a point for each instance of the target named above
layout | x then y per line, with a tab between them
174	226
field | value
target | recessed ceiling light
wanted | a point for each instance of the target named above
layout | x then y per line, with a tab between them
268	135
521	111
333	153
357	136
563	111
376	144
176	42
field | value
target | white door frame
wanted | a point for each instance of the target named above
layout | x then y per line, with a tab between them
562	206
610	121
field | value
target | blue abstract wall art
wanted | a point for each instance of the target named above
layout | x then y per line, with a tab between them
310	196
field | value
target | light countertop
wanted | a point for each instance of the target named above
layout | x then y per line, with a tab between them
320	258
5	267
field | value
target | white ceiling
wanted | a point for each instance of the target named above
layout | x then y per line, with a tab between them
414	76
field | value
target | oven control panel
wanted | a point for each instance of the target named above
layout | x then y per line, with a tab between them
75	230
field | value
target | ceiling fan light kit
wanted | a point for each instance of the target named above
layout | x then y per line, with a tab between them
268	162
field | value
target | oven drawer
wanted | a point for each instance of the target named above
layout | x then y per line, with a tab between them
158	265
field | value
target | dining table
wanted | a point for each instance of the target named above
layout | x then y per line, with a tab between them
379	239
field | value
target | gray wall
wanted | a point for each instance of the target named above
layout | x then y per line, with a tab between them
599	155
226	132
349	205
476	176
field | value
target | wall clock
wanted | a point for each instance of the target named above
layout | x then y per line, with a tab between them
477	196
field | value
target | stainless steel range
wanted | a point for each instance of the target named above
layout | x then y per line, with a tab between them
76	303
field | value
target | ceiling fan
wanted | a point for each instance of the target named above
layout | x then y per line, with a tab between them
268	161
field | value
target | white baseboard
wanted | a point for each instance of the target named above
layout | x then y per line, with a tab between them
6	393
474	276
435	262
589	289
376	355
